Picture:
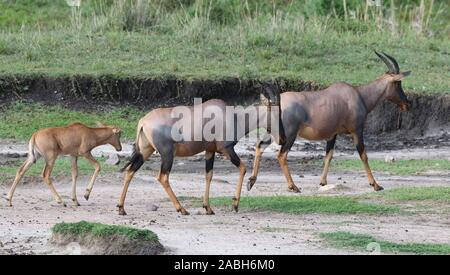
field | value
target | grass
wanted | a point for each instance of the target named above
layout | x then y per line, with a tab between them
408	194
21	120
399	167
309	205
349	240
293	40
62	167
102	230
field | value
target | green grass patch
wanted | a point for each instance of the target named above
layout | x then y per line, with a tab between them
102	230
309	205
399	167
349	240
301	40
21	120
437	194
62	167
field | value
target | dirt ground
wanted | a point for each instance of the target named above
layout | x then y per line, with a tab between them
25	227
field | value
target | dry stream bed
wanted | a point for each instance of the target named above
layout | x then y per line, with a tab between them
26	227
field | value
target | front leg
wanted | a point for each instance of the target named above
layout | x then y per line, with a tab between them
96	165
359	142
209	159
282	159
74	181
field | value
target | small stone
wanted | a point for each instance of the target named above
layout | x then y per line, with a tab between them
154	207
328	187
389	158
113	159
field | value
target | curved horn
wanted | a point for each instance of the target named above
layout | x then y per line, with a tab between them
390	62
394	63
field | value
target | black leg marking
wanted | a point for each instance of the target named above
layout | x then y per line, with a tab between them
166	163
330	144
286	147
360	144
210	163
233	156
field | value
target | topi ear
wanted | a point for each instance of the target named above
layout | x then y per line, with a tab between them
398	77
99	124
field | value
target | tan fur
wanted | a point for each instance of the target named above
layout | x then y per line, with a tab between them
74	140
156	121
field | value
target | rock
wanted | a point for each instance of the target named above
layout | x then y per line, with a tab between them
113	159
329	187
154	207
389	158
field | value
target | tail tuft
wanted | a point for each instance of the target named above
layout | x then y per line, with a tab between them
136	161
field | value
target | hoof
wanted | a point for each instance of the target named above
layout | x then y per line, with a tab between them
236	208
251	182
378	188
323	183
63	204
294	189
86	196
183	212
76	203
209	211
122	211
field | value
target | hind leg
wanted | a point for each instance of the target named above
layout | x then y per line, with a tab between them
74	181
209	158
28	163
96	165
242	170
260	147
49	163
146	152
167	155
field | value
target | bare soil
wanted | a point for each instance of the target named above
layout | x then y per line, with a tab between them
25	227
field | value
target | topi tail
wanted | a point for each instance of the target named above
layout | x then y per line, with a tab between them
33	154
137	159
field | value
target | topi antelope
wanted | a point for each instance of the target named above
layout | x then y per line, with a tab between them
338	109
154	132
75	140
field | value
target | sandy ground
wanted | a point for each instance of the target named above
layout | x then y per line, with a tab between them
25	227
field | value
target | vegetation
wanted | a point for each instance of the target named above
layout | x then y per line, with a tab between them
309	204
399	167
103	230
20	120
435	194
349	240
322	41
